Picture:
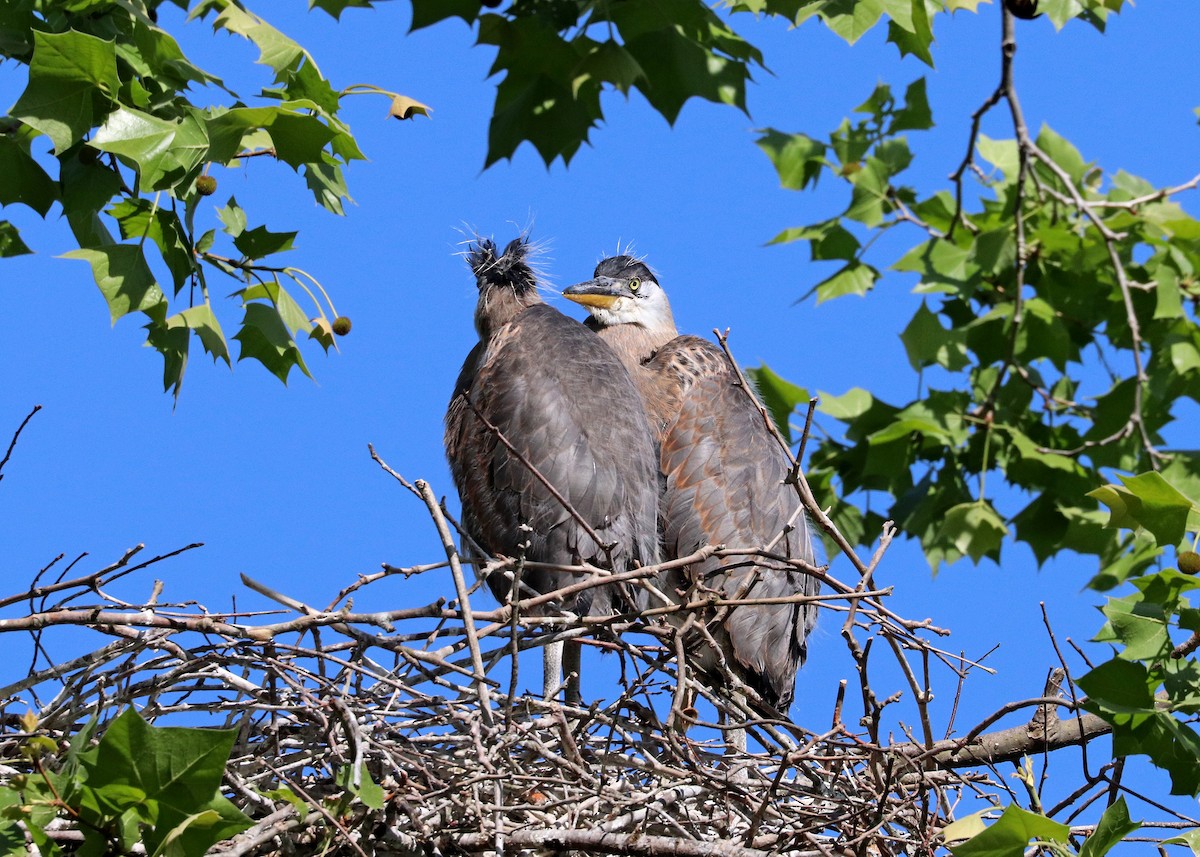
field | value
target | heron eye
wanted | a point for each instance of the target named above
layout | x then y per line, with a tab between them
634	285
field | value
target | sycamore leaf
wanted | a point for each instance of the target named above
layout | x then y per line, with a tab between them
928	343
781	397
851	19
140	218
322	332
798	159
10	241
164	152
24	179
328	185
72	84
855	278
1114	826
975	530
1149	501
1010	834
275	49
427	12
179	770
265	338
259	242
404	107
123	276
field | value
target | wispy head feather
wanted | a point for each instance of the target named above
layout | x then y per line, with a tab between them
513	269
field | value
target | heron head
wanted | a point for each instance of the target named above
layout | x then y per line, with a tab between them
507	282
624	290
508	270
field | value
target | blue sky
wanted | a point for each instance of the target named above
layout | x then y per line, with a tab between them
277	481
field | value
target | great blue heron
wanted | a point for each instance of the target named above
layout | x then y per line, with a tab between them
542	407
724	480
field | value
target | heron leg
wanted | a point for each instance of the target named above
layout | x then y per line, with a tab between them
552	662
571	658
735	741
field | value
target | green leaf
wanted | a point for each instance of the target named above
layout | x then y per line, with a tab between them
1191	839
851	19
427	12
298	138
927	342
178	769
327	184
869	198
849	406
1122	693
10	241
1062	153
164	152
201	319
72	84
291	313
139	219
1140	627
1000	153
974	529
685	51
1011	833
87	189
259	242
366	790
780	397
1149	501
275	49
855	278
943	266
911	31
233	218
609	62
265	338
286	794
539	99
24	180
123	276
170	338
335	8
798	159
1119	687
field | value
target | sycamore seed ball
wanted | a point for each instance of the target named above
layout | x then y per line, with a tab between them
1189	562
206	185
341	325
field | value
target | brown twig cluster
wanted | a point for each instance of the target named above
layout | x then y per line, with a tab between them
413	700
428	703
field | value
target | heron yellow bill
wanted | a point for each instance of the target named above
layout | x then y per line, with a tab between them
601	292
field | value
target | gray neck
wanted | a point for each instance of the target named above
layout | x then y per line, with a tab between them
498	306
633	343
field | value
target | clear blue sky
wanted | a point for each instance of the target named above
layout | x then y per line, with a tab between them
277	481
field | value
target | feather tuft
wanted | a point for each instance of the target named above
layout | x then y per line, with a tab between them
514	268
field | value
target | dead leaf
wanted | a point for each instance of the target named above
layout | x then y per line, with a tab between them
404	107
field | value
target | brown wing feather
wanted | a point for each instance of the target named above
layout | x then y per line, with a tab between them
560	396
725	485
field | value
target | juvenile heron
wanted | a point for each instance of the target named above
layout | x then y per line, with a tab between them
547	438
724	481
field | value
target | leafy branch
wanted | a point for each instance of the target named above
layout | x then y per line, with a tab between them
112	91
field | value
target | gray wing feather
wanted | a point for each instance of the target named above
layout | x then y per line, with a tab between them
560	396
725	477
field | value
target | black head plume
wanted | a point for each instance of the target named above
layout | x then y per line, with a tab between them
508	270
623	267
